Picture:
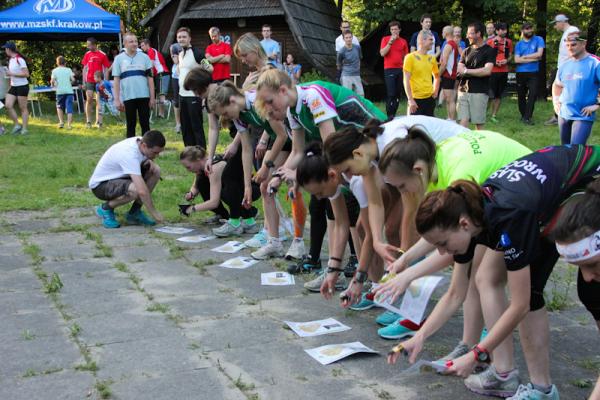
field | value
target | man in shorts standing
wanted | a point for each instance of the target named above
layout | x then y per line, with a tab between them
93	60
499	77
348	61
127	173
474	72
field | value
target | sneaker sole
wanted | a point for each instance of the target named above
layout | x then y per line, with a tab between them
221	235
395	337
266	257
362	308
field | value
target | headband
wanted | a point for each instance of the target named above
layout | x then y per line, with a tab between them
582	250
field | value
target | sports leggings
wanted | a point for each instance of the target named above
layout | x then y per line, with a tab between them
574	131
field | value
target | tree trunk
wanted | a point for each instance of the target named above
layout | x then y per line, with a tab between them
592	44
340	6
472	11
541	16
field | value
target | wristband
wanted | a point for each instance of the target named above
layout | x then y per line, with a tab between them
331	270
270	164
336	259
263	142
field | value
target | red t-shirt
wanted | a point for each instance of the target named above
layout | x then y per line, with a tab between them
158	62
503	48
395	57
220	70
94	61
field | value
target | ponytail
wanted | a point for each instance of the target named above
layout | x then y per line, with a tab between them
192	153
402	154
340	145
578	218
314	166
220	95
443	209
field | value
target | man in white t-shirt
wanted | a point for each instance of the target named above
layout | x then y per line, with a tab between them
339	41
127	173
561	24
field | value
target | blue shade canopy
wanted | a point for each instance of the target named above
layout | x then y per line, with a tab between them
58	20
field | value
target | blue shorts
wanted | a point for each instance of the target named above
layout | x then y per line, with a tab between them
65	102
161	83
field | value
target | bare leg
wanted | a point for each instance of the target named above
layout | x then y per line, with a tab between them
161	105
60	114
464	122
534	332
496	106
177	115
450	96
491	280
10	107
479	126
69	119
356	240
89	94
98	115
24	110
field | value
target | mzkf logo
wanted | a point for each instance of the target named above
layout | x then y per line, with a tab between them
53	6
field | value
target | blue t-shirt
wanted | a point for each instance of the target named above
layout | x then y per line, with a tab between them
133	73
271	46
105	91
524	48
436	41
580	80
349	60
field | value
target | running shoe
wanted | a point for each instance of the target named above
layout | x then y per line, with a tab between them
528	392
250	228
140	218
258	240
296	250
305	266
315	284
494	119
399	329
489	383
214	220
24	131
88	125
460	350
227	229
551	121
366	302
16	129
271	249
108	218
388	318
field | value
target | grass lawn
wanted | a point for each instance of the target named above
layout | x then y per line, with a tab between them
50	167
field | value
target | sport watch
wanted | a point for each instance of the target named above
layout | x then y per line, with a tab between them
481	354
361	277
270	164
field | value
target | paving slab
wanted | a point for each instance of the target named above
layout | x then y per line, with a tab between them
64	385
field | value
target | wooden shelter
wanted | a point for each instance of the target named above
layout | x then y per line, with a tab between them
305	28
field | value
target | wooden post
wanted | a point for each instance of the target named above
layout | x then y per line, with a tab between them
174	26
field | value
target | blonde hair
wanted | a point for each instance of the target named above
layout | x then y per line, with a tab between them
219	95
273	79
192	153
248	43
448	30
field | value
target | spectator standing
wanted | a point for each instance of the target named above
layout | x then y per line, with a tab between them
458	39
3	90
426	26
292	69
93	60
339	41
474	72
19	88
348	61
174	51
160	71
134	85
419	68
528	53
271	47
218	53
448	68
192	128
104	88
499	77
490	30
561	24
62	79
393	49
575	92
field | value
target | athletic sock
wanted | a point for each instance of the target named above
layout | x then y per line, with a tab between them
504	375
105	206
135	207
249	221
234	222
543	389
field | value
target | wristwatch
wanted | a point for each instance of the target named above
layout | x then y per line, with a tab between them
481	354
361	277
270	164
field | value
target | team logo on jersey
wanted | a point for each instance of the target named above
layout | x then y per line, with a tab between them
53	6
505	240
315	104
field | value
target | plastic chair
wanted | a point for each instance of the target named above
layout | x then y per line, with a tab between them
154	111
32	99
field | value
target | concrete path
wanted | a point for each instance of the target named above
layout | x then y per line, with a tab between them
88	313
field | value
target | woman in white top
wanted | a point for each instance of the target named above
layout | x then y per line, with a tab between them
19	87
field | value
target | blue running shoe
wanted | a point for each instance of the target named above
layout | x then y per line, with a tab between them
140	218
387	318
365	303
396	330
258	240
108	218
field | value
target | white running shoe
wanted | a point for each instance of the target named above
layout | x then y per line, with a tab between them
271	249
296	250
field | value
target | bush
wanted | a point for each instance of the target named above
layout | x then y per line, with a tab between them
313	75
